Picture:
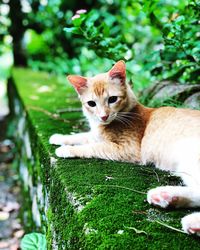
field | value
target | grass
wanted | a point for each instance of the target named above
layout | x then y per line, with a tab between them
93	204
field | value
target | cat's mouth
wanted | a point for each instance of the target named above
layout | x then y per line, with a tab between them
109	119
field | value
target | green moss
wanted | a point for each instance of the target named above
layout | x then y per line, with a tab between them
88	210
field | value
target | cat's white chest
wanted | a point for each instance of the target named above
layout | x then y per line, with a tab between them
97	137
94	126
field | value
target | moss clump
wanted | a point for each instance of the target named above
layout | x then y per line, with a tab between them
92	204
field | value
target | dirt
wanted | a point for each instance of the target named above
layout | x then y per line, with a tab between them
11	230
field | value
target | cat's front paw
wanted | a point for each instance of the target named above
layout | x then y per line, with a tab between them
162	197
64	152
191	223
56	139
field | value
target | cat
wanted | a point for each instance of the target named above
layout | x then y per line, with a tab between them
122	129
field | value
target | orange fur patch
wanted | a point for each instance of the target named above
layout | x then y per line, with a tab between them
99	88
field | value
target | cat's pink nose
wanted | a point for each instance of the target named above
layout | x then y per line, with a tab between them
104	118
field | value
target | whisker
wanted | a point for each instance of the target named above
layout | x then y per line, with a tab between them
129	117
130	114
120	120
123	120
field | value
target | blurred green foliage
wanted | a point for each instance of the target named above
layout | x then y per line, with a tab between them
158	39
5	43
181	56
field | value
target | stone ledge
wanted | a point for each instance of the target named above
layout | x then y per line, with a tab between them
79	203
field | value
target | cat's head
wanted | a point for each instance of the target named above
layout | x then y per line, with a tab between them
105	95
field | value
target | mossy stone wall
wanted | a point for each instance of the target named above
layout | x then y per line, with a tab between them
79	203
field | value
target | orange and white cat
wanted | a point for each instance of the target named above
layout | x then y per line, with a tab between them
124	130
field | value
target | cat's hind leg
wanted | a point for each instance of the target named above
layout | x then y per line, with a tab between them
177	196
191	223
174	196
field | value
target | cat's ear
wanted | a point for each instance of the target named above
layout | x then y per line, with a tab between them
118	71
79	82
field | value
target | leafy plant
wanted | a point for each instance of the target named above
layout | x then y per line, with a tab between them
33	241
158	39
95	27
181	54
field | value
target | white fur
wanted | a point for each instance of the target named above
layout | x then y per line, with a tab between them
176	196
186	152
191	223
76	139
156	197
56	139
64	152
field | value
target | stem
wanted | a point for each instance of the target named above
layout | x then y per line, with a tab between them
170	227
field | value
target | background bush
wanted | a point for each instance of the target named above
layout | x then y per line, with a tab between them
158	39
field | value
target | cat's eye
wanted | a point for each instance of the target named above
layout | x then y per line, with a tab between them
112	99
91	103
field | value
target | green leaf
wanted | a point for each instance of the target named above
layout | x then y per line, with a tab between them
180	20
74	30
92	17
33	241
35	43
78	21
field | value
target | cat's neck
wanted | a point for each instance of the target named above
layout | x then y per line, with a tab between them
143	113
131	100
137	117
